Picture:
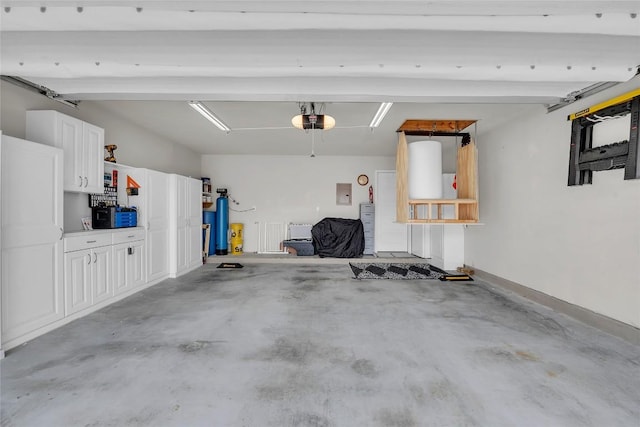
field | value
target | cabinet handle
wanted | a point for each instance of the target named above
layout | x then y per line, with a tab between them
80	185
91	241
61	233
95	257
86	181
131	236
89	255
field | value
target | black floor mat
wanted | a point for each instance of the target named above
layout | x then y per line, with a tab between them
379	270
230	265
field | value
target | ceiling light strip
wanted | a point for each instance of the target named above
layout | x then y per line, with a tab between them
382	111
208	114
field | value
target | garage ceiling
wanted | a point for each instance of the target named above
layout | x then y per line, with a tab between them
251	62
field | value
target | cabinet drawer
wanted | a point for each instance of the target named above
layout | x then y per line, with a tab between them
128	235
367	217
77	243
367	208
367	223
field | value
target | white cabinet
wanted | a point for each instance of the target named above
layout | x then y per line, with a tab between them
77	281
185	223
154	211
93	157
447	245
82	143
443	243
128	260
87	271
32	266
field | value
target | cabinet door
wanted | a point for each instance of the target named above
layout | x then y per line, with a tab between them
136	263
119	269
77	280
194	221
69	137
101	274
92	158
156	204
182	216
32	259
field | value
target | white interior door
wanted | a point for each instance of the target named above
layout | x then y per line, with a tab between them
32	287
390	236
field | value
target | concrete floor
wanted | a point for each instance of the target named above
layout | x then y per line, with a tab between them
307	345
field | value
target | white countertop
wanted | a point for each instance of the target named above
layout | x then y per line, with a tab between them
101	231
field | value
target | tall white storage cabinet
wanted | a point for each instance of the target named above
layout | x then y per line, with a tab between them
32	231
82	143
185	224
154	211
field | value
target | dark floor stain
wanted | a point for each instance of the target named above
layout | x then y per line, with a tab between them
86	357
603	354
309	287
288	386
364	367
536	320
417	393
396	418
195	346
365	289
525	355
274	392
309	420
497	354
288	351
441	390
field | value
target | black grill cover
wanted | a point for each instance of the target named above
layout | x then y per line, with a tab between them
338	238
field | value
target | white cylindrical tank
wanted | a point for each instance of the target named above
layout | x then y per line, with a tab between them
425	169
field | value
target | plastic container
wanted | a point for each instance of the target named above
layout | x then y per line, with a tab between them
209	217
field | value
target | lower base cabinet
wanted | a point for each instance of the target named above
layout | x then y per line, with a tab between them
87	278
100	265
128	266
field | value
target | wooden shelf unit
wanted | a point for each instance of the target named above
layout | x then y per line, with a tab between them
439	203
465	206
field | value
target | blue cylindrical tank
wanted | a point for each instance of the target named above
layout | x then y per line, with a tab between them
209	217
222	224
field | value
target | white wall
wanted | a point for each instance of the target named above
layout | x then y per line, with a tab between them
297	189
136	146
580	244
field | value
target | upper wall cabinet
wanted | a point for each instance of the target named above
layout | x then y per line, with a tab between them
82	143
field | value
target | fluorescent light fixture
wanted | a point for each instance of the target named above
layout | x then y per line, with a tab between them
382	111
202	109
